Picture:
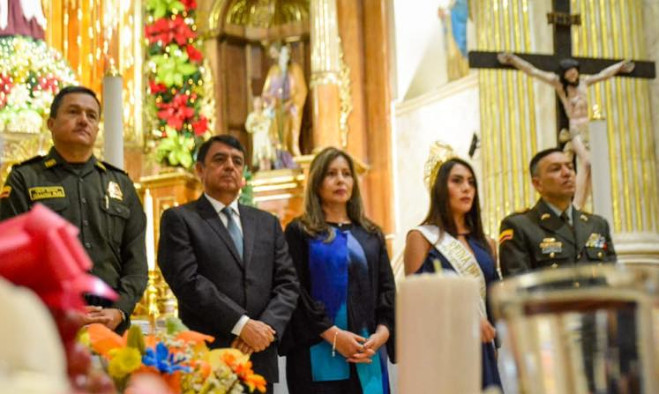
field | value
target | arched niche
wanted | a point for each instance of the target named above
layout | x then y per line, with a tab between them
239	33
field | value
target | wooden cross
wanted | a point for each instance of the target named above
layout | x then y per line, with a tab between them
562	19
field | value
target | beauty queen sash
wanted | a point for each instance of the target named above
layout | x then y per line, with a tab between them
462	261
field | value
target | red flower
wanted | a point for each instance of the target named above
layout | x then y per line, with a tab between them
200	126
166	30
159	31
189	4
6	83
156	88
193	53
177	112
182	31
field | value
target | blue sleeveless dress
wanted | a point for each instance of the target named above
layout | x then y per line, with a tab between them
490	371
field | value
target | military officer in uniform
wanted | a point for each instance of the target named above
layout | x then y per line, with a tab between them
553	233
93	195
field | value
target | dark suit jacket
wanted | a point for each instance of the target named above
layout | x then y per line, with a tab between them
538	239
214	287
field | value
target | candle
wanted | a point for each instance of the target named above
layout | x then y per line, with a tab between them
113	127
438	335
150	236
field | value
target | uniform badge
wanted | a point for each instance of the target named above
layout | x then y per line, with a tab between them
114	191
545	216
584	217
49	163
550	245
505	236
44	192
596	240
6	191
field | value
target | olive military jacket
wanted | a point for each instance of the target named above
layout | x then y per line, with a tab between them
538	239
101	201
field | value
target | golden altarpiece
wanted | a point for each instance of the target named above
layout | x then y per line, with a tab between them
341	46
237	37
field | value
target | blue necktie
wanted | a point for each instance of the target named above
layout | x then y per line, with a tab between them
234	231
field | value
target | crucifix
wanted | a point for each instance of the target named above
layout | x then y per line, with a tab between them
562	19
571	101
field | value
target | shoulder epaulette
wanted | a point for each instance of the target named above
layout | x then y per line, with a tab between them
111	167
34	159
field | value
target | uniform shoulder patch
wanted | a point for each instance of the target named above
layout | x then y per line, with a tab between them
506	235
5	192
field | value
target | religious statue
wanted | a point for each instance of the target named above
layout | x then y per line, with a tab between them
22	17
259	125
285	91
573	94
454	17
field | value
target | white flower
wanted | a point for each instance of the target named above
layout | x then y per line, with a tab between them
26	121
19	96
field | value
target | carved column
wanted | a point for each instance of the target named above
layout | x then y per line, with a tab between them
325	70
514	109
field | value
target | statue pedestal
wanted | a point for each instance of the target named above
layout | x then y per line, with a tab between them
280	192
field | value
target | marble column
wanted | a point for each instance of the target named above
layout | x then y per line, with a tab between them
616	30
325	70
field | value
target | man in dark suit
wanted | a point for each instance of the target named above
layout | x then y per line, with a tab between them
228	263
553	233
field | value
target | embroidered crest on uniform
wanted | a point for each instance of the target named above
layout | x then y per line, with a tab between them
6	191
505	236
596	240
550	245
545	216
114	191
44	192
49	163
584	217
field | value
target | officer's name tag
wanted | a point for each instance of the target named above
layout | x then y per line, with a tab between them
41	193
550	245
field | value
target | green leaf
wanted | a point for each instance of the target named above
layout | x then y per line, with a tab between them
185	159
135	339
172	158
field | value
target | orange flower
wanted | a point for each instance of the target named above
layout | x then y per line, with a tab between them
173	381
255	381
102	339
194	336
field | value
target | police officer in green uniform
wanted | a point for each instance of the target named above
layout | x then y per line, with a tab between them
553	233
93	195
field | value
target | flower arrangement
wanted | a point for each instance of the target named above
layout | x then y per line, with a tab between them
31	73
181	105
179	356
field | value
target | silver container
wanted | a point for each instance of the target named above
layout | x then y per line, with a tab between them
584	329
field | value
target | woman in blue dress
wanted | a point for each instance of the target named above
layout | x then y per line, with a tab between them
451	236
341	333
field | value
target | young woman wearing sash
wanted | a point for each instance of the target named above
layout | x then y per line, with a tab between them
341	333
452	237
